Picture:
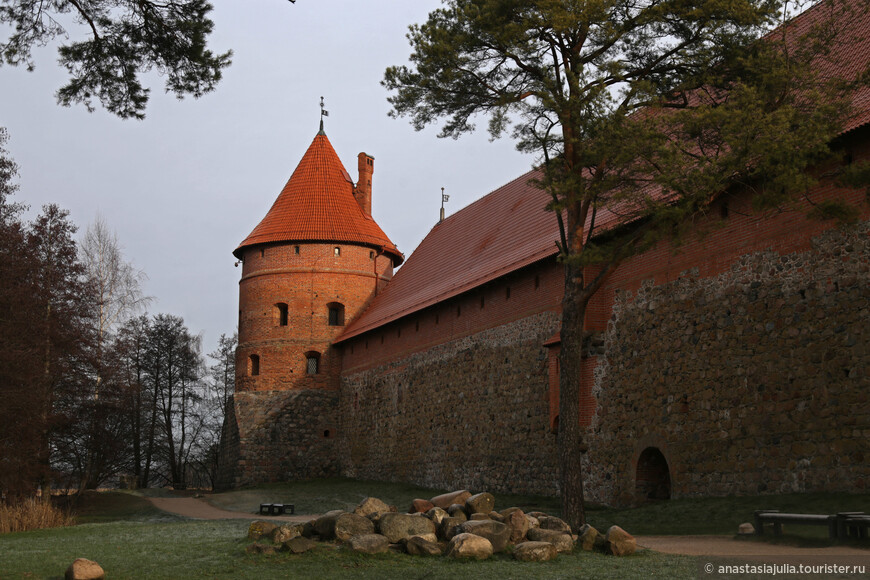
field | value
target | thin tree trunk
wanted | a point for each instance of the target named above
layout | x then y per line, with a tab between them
570	364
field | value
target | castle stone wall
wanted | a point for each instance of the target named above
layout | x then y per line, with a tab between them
469	413
279	436
752	381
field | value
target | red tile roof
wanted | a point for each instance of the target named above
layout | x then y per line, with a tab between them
510	228
849	55
505	230
317	204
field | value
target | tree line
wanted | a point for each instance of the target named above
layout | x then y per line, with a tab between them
93	388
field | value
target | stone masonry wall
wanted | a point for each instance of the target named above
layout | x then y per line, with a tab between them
469	413
753	381
279	436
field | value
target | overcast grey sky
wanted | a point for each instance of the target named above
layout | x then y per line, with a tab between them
186	185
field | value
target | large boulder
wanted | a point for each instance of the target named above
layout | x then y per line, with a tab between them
519	525
449	527
508	511
423	546
457	511
497	533
436	514
619	542
554	523
371	505
398	527
563	541
324	526
469	546
286	532
350	525
260	529
298	545
588	538
369	543
445	500
535	551
420	506
480	503
84	569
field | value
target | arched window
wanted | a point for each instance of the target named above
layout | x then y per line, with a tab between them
280	314
254	364
312	363
336	251
336	314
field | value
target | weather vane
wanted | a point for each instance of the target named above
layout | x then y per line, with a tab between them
323	113
444	197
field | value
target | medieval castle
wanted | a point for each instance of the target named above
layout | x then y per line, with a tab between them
738	363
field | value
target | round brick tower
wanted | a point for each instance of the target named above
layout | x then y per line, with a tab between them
309	268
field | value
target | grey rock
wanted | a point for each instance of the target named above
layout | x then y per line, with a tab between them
298	545
371	505
481	502
497	533
84	569
422	546
397	527
350	525
563	541
469	546
535	551
445	500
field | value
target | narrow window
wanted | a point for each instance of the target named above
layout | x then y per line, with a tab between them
482	301
312	363
281	314
458	310
436	319
262	252
537	282
371	255
507	293
336	251
398	333
417	326
296	250
255	365
336	314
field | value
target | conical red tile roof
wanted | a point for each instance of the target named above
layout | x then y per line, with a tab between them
317	204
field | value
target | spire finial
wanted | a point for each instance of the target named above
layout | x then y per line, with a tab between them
323	113
444	197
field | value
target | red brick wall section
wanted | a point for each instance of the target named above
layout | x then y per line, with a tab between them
534	289
307	282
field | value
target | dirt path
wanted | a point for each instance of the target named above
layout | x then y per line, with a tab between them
730	547
199	509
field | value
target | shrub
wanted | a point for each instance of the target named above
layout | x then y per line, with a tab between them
32	514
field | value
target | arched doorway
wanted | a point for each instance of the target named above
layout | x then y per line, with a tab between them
653	479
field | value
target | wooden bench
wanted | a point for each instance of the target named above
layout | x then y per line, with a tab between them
777	519
852	525
277	509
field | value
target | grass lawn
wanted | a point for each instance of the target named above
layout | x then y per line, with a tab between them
132	539
199	549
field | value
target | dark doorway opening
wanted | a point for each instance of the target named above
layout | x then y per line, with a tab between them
653	476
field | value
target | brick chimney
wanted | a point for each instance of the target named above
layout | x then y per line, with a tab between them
363	190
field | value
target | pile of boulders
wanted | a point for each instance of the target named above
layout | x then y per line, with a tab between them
456	524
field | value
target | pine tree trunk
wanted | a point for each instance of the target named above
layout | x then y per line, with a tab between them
570	363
